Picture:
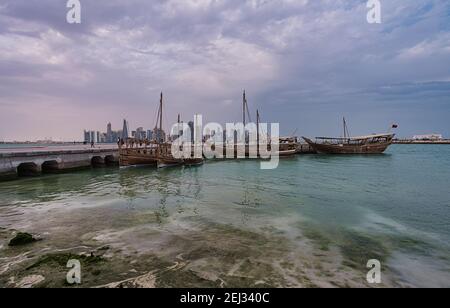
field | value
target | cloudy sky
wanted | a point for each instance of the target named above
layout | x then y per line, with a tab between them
304	63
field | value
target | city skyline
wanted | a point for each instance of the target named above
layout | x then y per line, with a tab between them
113	136
304	64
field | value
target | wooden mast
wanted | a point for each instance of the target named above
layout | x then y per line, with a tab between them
244	109
257	131
345	129
161	117
179	128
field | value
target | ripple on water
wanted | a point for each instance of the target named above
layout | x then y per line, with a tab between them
312	221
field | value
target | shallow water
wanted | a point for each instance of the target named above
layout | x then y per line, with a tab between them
314	221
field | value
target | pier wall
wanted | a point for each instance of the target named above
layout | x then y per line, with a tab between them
16	163
22	163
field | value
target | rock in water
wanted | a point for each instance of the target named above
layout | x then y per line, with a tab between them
22	239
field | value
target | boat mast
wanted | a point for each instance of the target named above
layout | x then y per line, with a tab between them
161	117
244	109
346	133
179	126
257	130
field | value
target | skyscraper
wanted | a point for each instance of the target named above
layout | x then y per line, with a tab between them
87	136
191	126
109	138
149	134
92	136
125	130
140	133
159	135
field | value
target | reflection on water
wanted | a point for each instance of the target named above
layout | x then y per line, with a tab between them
312	222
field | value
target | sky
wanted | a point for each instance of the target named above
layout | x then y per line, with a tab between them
304	64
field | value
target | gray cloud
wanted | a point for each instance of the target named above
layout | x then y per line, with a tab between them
304	63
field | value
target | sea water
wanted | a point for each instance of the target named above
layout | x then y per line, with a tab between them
316	220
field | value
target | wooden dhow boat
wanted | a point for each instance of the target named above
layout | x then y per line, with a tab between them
287	146
371	144
157	152
133	152
165	158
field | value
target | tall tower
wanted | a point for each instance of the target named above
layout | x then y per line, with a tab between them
109	138
191	127
87	136
125	130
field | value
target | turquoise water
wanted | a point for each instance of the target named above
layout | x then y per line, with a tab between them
314	221
28	145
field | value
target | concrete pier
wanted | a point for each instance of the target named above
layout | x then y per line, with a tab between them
18	162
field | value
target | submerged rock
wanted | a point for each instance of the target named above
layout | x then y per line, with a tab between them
22	239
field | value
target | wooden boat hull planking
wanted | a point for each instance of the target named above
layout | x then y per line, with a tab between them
370	148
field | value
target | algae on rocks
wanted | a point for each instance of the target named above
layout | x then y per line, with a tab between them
22	239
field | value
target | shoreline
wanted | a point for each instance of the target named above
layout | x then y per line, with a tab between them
310	224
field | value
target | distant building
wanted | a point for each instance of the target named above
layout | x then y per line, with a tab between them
87	136
102	138
178	133
191	126
92	136
140	133
125	134
159	135
109	133
117	135
112	136
430	137
149	134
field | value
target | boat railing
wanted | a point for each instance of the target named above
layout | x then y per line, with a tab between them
353	141
137	143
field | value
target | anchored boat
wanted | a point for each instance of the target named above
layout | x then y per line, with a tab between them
157	152
134	152
371	144
288	146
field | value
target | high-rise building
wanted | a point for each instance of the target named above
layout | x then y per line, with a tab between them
140	133
103	138
109	138
149	134
87	137
191	126
125	134
117	135
92	136
112	136
99	137
159	135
